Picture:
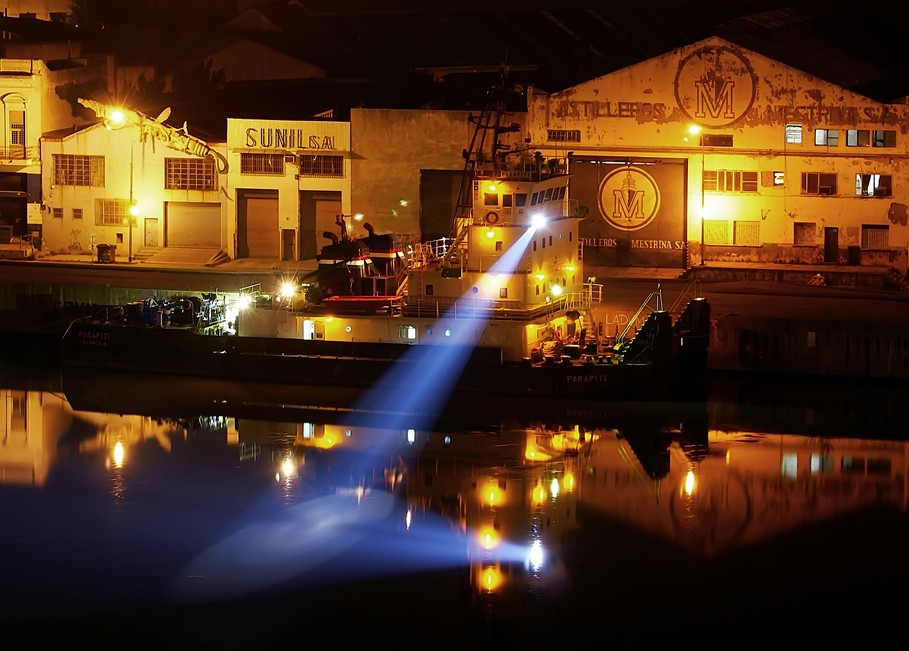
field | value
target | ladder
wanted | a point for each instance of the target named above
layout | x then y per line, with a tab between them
482	152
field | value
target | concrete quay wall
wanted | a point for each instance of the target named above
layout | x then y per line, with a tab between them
843	349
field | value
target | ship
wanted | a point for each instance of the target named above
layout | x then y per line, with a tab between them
500	306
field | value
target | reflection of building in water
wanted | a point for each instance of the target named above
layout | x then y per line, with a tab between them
32	424
37	425
747	487
517	505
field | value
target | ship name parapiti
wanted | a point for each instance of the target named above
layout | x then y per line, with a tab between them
153	130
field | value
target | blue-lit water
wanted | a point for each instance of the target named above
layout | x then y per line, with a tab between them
765	514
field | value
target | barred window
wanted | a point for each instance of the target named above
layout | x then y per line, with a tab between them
875	237
77	213
58	213
730	181
263	164
746	233
72	169
322	165
190	174
111	212
716	231
563	135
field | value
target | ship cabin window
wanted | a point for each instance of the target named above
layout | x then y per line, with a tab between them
500	246
550	240
407	332
507	200
503	292
543	240
548	196
534	245
429	290
520	199
534	198
490	199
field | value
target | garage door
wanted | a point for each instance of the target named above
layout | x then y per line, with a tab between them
257	225
193	224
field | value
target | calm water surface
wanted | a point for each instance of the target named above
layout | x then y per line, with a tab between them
184	513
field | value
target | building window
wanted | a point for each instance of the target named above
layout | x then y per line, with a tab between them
57	213
262	164
858	137
818	183
190	174
883	138
111	212
563	135
17	134
875	237
77	213
716	140
773	179
72	169
322	166
407	332
873	185
716	231
730	181
746	233
804	234
794	134
826	137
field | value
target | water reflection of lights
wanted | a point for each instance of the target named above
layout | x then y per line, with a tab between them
690	484
536	556
118	455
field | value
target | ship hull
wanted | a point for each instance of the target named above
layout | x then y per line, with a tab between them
677	372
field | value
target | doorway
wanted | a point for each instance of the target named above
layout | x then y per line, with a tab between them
831	244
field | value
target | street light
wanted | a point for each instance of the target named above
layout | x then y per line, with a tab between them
133	211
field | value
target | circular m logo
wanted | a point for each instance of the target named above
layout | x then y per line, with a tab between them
629	198
715	86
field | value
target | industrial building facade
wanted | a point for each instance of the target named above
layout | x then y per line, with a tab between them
710	152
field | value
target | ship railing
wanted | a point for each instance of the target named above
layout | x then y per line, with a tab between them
476	308
691	291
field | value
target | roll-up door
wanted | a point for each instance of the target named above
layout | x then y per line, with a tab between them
259	236
193	224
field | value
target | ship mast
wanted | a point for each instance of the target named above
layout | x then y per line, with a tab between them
481	158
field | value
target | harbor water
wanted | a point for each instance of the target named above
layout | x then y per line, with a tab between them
151	511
